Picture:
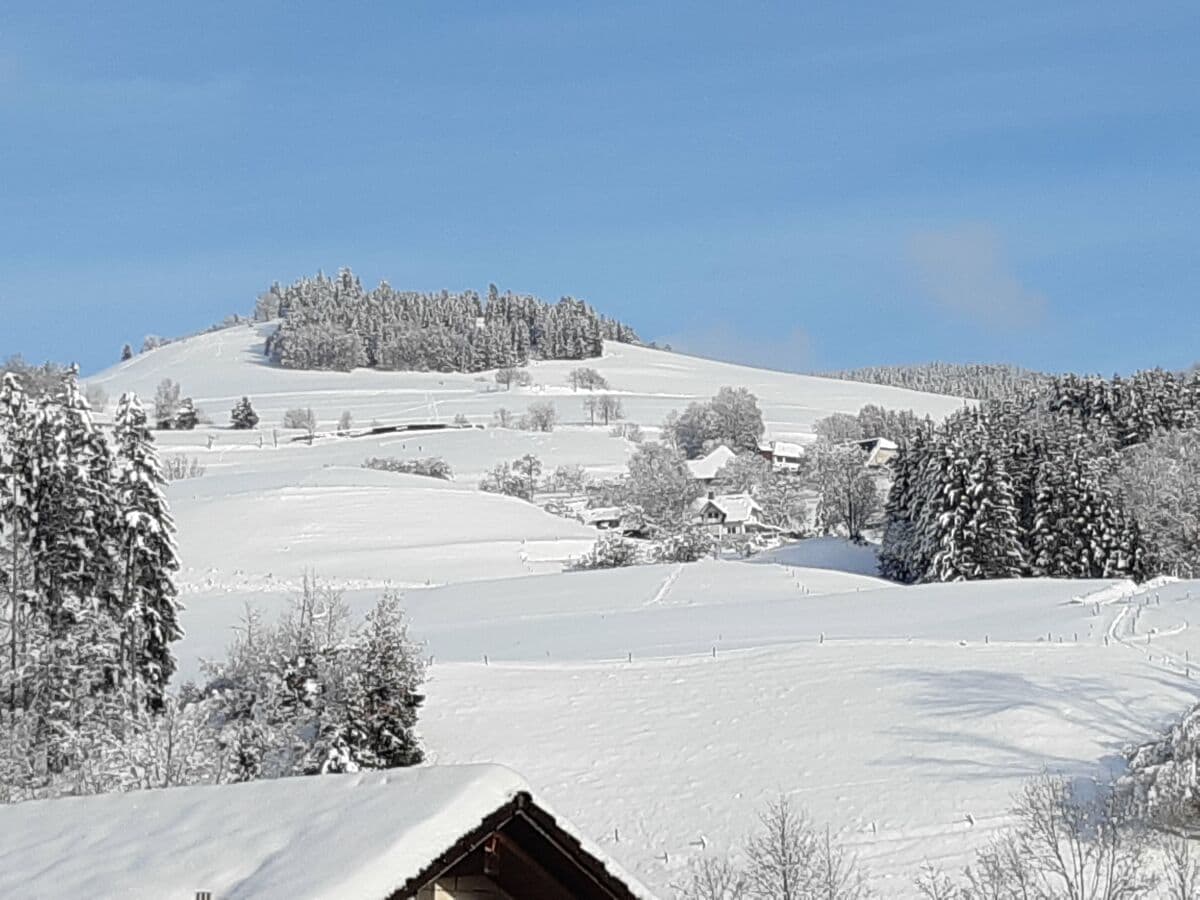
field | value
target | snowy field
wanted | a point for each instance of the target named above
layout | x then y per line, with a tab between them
660	707
217	369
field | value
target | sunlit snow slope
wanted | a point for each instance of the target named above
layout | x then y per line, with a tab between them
660	707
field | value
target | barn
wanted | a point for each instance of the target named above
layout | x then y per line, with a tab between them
427	833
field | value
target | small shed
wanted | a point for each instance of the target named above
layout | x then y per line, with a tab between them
427	833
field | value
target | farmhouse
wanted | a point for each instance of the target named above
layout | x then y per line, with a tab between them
428	833
729	514
782	455
705	468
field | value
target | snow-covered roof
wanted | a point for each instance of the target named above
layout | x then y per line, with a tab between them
706	467
735	507
877	443
602	514
362	835
784	448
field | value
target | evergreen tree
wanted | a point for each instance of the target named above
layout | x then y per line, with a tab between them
147	557
336	324
993	547
897	551
186	418
243	416
126	353
383	696
73	508
18	487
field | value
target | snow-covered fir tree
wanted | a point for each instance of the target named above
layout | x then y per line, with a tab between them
1060	462
333	323
243	417
73	511
186	417
146	556
383	693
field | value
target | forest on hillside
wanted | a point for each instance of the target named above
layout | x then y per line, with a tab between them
1086	478
976	381
334	323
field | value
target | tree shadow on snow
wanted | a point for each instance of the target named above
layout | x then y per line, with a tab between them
1112	714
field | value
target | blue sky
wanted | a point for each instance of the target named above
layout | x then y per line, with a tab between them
801	185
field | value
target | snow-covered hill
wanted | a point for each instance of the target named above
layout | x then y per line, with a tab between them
218	368
659	707
269	507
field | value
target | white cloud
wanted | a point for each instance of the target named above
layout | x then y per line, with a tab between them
964	271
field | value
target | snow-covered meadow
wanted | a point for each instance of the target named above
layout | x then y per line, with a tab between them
660	707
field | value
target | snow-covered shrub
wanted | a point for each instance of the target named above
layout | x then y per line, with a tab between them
313	694
304	419
684	546
569	479
630	431
518	478
609	552
1161	783
243	417
431	466
177	468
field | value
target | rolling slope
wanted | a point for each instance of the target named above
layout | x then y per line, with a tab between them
661	706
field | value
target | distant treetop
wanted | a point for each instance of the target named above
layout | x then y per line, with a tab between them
977	381
334	323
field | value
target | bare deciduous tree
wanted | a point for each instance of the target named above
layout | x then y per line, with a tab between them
540	416
586	378
849	497
304	419
610	408
166	402
786	859
712	879
1180	870
1065	845
508	376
